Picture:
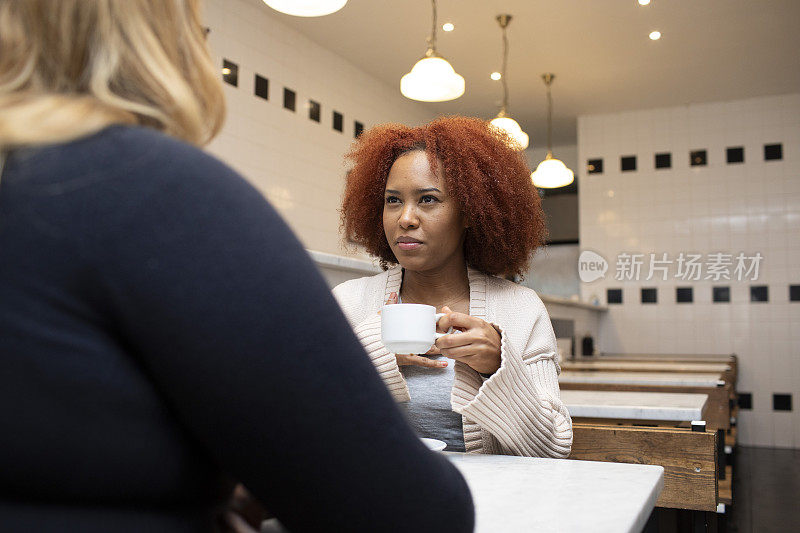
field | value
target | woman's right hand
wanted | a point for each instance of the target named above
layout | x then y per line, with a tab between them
407	359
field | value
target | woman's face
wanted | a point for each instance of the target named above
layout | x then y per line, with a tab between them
423	224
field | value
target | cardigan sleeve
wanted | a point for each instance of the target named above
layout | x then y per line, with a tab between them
520	404
368	332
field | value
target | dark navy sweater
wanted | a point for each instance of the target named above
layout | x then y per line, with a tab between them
162	335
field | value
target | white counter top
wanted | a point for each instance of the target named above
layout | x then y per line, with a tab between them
653	366
514	494
634	405
664	379
559	300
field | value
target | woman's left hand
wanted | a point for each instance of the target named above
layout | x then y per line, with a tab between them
477	345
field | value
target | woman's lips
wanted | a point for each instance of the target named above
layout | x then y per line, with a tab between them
408	246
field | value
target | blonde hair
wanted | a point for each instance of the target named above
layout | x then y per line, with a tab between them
69	68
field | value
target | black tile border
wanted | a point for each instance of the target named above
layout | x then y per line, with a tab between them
662	160
684	295
721	295
794	293
594	166
232	76
734	155
759	294
261	88
289	99
627	163
773	152
338	121
314	111
614	296
698	158
745	400
781	401
649	295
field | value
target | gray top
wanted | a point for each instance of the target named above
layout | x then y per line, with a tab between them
429	411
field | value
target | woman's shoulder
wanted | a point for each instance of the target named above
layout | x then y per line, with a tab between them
508	293
360	288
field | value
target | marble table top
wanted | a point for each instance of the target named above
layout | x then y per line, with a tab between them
654	366
516	494
676	379
674	406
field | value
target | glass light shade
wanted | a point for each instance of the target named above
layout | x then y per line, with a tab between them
513	129
432	79
552	173
306	8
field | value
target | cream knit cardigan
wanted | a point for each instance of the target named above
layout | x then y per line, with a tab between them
516	411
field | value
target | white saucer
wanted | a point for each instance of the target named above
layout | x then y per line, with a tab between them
433	444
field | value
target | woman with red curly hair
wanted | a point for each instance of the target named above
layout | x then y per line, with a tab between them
448	208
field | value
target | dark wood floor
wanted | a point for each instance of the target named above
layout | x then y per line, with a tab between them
766	491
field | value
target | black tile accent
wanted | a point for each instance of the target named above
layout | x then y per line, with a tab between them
759	293
314	110
745	400
614	296
357	129
627	163
289	99
684	295
735	154
594	166
230	72
650	295
773	152
781	402
721	294
698	158
338	121
262	87
664	160
794	293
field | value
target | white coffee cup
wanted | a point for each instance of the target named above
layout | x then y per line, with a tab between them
409	328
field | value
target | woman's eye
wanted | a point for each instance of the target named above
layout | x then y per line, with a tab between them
428	199
392	200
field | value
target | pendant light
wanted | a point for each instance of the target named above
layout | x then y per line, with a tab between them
502	121
551	172
306	8
432	79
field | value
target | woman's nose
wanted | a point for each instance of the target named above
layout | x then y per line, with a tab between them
408	217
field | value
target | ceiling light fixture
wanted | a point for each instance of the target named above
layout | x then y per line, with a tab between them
502	121
306	8
495	76
655	35
551	172
432	78
644	2
448	26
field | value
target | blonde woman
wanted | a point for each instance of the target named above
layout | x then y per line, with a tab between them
155	311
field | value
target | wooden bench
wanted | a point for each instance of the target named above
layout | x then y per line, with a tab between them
688	458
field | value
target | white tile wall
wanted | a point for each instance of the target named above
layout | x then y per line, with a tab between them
749	207
297	163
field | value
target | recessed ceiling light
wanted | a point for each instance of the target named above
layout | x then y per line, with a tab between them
448	26
644	2
226	71
655	35
496	76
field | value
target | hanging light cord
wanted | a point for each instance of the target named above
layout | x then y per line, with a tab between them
432	38
548	80
503	71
